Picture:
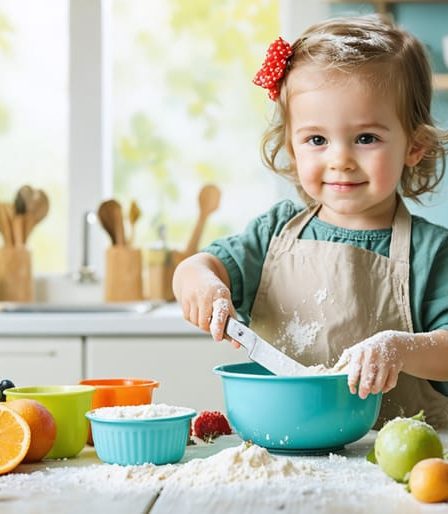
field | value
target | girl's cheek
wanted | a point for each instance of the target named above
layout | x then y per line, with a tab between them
308	172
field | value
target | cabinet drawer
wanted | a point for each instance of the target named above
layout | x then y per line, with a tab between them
39	360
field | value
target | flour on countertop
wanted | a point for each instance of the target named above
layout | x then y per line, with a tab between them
107	477
354	483
152	410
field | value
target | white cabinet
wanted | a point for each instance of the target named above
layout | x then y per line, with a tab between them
41	360
182	364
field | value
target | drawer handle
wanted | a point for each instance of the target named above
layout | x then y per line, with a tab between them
50	353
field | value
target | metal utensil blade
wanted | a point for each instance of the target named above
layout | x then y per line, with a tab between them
264	353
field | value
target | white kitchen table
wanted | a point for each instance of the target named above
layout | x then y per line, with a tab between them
350	485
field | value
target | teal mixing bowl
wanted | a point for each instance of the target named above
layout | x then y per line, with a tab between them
315	414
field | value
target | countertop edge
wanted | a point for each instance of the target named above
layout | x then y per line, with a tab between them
164	321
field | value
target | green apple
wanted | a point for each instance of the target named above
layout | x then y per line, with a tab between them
403	442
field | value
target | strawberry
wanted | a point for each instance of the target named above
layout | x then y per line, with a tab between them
273	68
209	425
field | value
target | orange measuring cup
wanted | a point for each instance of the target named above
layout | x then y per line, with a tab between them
114	392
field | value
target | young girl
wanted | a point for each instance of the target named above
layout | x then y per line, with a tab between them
353	280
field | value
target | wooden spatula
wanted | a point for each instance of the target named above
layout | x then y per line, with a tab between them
134	216
5	224
111	218
18	221
209	199
37	207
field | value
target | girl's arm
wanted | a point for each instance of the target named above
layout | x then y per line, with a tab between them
426	355
373	365
201	285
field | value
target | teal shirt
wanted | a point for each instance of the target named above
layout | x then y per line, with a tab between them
243	256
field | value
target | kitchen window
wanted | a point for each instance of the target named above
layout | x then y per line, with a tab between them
185	111
34	116
142	100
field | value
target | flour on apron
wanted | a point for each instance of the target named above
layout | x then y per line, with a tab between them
317	298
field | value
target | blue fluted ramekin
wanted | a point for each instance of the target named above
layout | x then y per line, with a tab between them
123	441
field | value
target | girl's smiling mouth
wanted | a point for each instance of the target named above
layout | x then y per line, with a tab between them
344	186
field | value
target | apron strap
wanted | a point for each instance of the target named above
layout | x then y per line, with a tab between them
400	239
293	228
400	243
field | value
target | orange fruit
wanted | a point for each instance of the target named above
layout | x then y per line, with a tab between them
42	426
428	480
15	438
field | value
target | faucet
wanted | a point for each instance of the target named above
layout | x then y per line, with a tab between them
86	273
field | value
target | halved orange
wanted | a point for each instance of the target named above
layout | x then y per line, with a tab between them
15	439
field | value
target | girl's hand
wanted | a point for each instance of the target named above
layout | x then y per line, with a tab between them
209	308
203	295
222	309
375	363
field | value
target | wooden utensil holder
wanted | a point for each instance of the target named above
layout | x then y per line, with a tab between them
16	280
123	281
159	269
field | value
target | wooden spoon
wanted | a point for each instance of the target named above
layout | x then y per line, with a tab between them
5	224
18	221
111	218
209	199
134	215
37	207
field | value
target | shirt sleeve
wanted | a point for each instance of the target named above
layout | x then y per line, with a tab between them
435	300
243	255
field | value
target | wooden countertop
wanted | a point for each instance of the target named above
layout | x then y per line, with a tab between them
351	485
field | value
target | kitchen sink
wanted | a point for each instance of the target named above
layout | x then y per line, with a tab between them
74	308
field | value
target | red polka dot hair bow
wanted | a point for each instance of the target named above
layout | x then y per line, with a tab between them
273	68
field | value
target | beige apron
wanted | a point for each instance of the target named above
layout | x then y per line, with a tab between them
317	298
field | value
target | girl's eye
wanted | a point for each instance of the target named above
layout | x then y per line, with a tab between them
366	139
317	140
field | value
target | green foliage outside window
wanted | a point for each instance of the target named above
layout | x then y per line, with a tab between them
198	63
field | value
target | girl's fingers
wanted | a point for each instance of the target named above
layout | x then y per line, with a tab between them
380	380
233	313
186	310
221	310
367	379
205	316
235	344
343	361
392	379
354	370
193	316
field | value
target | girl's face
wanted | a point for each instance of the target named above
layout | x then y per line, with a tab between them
349	146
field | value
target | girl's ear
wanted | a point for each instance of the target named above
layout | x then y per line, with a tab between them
416	150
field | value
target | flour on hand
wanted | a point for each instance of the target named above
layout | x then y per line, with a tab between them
221	310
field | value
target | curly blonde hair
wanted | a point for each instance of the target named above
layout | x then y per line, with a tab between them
353	45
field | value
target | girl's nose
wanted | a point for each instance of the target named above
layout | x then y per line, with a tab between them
341	159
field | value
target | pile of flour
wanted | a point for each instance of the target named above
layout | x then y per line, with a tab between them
147	411
247	462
